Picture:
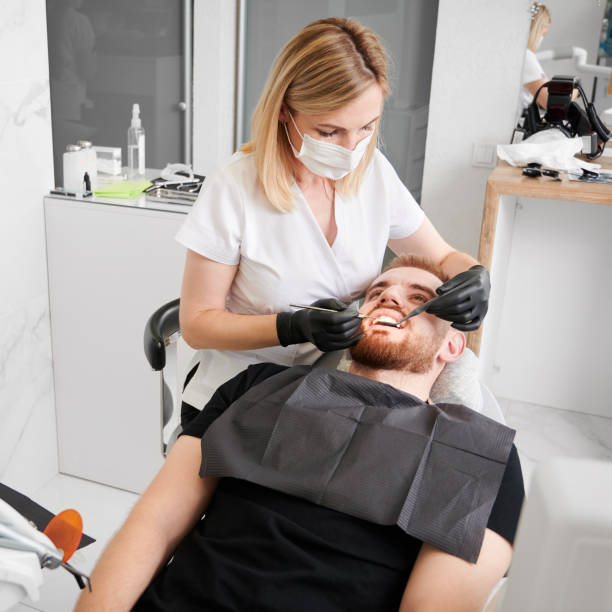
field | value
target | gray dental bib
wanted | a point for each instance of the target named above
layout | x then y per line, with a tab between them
368	450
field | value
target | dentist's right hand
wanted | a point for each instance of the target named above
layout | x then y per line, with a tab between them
328	331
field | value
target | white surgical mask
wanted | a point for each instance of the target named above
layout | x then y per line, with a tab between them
325	158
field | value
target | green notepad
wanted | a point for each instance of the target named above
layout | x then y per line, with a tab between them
123	189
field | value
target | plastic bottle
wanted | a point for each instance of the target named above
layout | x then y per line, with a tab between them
136	145
90	162
74	166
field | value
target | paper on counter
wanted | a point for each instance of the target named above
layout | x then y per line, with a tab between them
123	189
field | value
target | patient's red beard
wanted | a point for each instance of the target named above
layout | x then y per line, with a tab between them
415	354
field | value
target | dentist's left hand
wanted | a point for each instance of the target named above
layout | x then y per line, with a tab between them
464	299
328	331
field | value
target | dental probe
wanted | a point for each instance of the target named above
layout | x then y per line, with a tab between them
359	315
413	313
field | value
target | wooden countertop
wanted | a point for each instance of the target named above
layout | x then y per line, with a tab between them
508	180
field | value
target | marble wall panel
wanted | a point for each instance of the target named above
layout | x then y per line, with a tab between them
23	40
28	447
25	176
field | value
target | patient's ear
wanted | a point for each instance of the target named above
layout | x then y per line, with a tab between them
453	346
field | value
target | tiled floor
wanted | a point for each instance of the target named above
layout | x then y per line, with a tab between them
541	434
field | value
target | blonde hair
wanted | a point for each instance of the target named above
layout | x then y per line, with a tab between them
540	19
326	65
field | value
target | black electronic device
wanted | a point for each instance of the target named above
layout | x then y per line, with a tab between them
566	115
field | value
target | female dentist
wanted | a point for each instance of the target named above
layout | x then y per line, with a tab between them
303	214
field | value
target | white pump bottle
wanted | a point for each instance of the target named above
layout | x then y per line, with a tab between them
136	145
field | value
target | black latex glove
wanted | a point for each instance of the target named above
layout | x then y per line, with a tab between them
328	331
464	299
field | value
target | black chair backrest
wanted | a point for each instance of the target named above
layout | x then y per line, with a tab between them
161	324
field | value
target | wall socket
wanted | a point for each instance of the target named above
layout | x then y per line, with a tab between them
484	155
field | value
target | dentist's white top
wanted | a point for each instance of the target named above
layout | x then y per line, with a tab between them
284	258
532	71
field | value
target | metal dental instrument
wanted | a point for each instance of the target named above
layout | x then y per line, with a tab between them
81	578
421	308
359	315
413	313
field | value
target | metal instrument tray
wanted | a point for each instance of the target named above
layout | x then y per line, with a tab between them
172	196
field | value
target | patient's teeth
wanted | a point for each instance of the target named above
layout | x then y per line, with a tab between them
386	319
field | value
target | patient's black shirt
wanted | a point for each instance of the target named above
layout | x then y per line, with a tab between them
261	550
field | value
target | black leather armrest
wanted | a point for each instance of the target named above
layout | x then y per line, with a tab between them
161	324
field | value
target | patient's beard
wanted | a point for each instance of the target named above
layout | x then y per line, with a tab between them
414	354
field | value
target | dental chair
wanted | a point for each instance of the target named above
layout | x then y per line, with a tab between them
161	346
161	335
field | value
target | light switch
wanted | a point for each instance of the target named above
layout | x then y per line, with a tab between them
484	155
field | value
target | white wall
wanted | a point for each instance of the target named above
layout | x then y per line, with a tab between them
214	77
476	77
26	392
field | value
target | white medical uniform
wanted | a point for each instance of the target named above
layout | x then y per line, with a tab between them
285	258
532	71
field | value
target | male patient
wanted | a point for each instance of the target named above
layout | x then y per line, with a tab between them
306	520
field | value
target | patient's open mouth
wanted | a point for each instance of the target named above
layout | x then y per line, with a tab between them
387	320
384	319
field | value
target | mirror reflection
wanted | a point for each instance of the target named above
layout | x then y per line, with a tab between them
563	41
103	58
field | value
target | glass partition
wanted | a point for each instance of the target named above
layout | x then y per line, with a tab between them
105	56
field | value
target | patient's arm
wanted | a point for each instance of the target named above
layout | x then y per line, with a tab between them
440	582
167	510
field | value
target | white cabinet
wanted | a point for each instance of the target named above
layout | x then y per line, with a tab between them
110	266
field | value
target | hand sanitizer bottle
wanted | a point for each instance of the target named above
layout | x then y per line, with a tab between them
136	145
